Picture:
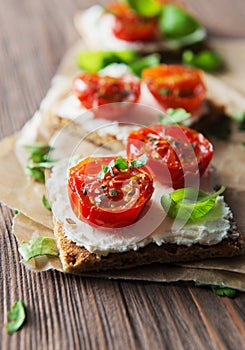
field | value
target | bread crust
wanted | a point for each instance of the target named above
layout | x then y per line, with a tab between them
77	259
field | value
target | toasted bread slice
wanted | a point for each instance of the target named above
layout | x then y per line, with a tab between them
95	27
77	259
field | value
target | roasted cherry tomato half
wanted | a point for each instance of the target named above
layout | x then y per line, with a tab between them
113	201
175	86
95	90
130	26
176	154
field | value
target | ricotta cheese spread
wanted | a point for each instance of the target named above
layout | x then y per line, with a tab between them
153	226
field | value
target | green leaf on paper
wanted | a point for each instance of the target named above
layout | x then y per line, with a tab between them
189	203
17	316
38	161
46	202
37	247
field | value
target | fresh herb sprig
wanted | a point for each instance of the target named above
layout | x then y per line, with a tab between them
46	202
174	116
38	161
121	164
207	60
219	290
94	61
188	203
38	246
224	291
17	315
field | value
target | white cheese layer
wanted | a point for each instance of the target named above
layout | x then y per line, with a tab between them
154	226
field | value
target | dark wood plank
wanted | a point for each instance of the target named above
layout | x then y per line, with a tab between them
69	312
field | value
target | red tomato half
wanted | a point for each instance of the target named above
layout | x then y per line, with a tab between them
95	90
175	86
130	26
170	152
114	201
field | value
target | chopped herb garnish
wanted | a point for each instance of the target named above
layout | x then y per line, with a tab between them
224	291
164	91
189	203
16	212
139	162
17	316
121	164
46	202
37	247
39	160
174	116
207	60
113	192
243	144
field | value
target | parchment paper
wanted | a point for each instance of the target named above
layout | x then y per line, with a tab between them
34	219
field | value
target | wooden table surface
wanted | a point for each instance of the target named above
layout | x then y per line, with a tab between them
68	312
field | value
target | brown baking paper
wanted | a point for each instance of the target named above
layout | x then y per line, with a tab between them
34	219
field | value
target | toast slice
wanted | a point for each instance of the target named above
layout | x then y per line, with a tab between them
77	259
94	26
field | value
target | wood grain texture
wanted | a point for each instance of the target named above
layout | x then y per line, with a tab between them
65	311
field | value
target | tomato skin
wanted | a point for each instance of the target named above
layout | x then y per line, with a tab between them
92	199
170	152
94	90
184	87
129	26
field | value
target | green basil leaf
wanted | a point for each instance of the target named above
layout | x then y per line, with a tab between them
93	61
240	119
36	173
40	148
37	247
121	164
38	161
46	202
188	203
139	162
17	315
207	60
148	61
176	23
224	291
174	116
145	8
239	116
